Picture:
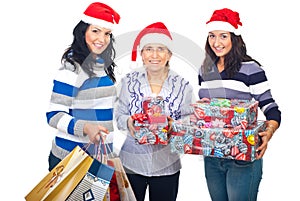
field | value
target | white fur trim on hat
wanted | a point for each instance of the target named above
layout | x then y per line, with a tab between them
158	38
220	25
97	22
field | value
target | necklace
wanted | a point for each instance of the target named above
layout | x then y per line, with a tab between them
156	83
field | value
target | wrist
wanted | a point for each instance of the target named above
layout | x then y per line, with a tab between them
270	128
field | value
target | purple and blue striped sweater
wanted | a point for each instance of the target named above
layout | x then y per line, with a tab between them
249	83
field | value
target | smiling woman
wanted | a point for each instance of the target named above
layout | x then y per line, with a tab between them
229	72
86	76
151	165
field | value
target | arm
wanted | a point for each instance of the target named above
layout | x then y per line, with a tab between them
261	92
59	115
63	92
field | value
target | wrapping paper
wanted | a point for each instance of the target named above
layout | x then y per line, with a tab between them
223	113
151	126
232	143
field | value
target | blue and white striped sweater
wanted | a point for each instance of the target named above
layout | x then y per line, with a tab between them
75	100
249	83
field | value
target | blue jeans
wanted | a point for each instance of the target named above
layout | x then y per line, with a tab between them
232	180
53	161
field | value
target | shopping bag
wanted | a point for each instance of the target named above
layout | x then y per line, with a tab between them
94	184
61	180
125	190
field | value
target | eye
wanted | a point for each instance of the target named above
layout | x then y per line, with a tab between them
211	35
160	49
148	49
95	30
224	36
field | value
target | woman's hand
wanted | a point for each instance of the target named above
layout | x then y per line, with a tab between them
170	123
130	125
266	137
93	131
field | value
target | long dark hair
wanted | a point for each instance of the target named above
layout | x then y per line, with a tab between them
232	61
80	53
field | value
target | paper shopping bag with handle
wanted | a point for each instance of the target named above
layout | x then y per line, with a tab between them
124	188
61	180
94	184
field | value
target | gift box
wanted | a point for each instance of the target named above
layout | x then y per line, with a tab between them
231	143
146	133
224	113
154	108
151	126
186	138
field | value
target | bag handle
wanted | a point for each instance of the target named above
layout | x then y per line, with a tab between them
98	154
110	154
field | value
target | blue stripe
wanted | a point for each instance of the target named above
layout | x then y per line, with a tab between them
97	82
67	144
49	115
71	126
274	114
93	114
256	78
248	80
64	88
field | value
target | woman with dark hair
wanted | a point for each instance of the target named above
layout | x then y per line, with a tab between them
81	105
229	72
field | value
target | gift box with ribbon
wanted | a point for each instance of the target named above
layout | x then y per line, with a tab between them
151	126
224	113
231	143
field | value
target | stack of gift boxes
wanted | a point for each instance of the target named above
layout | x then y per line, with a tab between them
225	128
151	125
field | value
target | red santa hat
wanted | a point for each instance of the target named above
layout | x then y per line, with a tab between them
226	20
154	33
101	15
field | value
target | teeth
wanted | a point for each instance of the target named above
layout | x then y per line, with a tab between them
98	45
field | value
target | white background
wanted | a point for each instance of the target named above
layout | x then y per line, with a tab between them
34	35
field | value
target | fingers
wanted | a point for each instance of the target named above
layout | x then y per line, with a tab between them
265	137
130	125
95	132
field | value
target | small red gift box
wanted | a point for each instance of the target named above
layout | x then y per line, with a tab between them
154	107
151	126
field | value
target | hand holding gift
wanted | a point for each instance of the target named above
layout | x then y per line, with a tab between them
266	135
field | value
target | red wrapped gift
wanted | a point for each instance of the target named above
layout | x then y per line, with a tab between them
185	138
222	113
154	107
230	143
233	143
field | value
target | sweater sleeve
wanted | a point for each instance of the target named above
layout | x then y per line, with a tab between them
58	114
261	91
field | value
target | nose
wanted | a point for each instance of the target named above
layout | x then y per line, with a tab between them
217	41
101	37
154	53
